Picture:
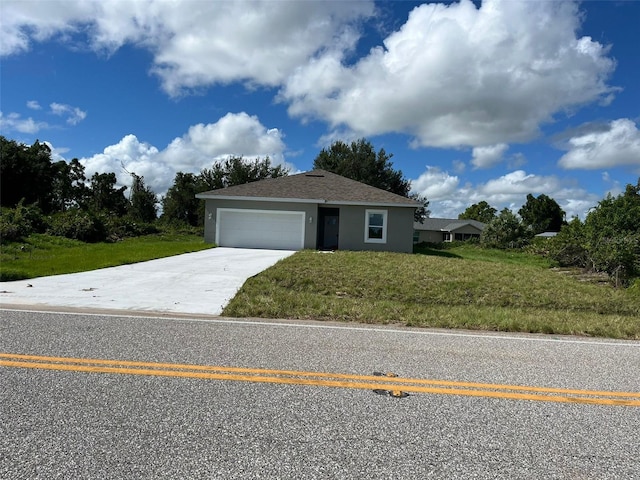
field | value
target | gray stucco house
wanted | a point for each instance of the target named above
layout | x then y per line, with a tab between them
438	230
315	210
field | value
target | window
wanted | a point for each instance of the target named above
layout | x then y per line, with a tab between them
466	236
416	236
375	226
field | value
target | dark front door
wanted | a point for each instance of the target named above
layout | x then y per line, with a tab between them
328	228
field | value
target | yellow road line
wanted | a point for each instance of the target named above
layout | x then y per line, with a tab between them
338	380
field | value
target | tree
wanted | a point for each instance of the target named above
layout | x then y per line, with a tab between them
504	231
237	170
569	247
423	211
612	231
180	203
482	212
105	197
142	201
616	215
26	173
69	185
542	214
359	161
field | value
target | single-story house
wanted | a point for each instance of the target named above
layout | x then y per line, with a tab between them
547	234
316	210
438	230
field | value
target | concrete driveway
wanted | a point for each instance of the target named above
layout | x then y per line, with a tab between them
193	283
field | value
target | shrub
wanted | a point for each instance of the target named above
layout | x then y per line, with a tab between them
19	222
78	225
569	247
505	231
122	227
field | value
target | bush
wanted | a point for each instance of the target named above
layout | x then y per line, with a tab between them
78	225
122	227
505	231
173	226
17	223
569	247
619	256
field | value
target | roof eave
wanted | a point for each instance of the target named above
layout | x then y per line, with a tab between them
372	204
206	196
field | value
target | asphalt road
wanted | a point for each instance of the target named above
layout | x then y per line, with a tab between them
254	417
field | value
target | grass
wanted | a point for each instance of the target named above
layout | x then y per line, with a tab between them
42	255
462	287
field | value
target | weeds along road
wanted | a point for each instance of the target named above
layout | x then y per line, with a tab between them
95	396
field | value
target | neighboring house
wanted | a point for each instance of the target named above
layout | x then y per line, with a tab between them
438	230
316	210
547	234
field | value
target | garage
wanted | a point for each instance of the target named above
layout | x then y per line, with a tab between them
272	229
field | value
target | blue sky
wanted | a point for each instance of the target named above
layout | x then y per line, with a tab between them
475	100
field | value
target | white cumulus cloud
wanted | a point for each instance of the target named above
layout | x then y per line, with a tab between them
448	197
457	75
616	145
519	182
435	184
33	105
14	122
486	157
194	43
233	135
453	75
73	114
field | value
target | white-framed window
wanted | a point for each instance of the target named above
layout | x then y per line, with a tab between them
375	226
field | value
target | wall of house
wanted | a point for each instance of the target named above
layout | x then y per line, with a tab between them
351	226
433	236
399	229
468	229
310	209
430	236
465	232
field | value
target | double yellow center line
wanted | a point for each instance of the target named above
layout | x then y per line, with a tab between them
322	379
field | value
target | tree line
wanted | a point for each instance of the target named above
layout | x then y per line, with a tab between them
39	195
608	240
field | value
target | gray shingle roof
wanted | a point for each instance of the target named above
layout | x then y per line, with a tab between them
317	186
446	224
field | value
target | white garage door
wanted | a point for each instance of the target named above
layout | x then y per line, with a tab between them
279	230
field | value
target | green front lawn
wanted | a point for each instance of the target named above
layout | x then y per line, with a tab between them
461	287
42	255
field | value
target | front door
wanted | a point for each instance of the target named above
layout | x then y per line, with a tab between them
328	228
